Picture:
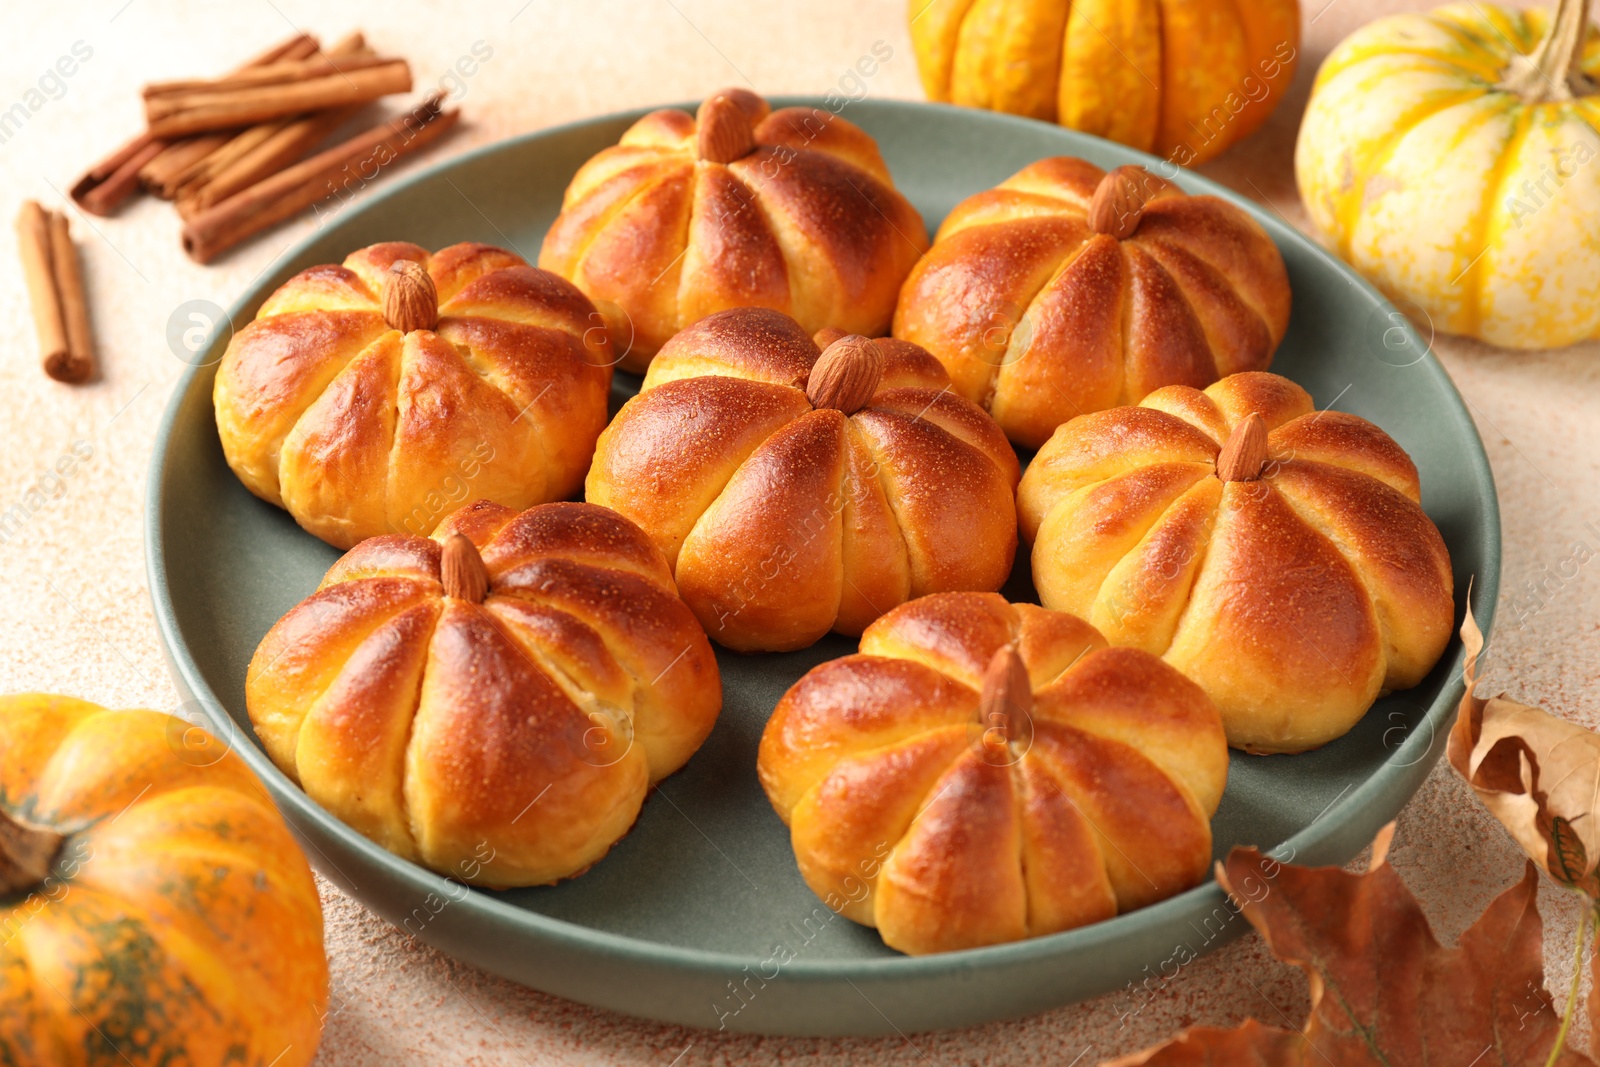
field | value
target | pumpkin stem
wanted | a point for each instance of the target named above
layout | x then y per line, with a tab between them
26	854
1554	69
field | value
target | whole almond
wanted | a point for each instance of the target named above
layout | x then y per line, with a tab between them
461	569
1118	202
1006	702
1244	453
846	374
725	133
410	300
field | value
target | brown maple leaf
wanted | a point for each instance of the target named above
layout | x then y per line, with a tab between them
1383	990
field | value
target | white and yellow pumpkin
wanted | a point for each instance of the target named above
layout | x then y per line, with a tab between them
1453	157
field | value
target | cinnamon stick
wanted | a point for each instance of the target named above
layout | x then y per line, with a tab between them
200	111
225	150
38	270
259	150
111	181
281	73
163	174
55	289
112	163
68	276
114	179
291	142
348	165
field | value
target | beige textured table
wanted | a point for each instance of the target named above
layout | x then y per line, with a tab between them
75	611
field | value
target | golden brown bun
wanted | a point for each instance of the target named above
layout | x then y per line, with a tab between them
782	522
502	743
1294	600
907	814
358	429
1038	318
808	223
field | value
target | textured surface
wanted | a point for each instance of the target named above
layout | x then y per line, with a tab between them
76	615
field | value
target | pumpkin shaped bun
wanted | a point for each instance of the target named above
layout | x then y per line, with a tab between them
1277	555
796	491
984	772
377	395
154	907
735	206
1066	290
492	702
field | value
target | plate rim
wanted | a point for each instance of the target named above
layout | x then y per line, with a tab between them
629	949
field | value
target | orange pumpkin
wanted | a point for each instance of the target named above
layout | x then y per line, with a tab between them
1181	78
153	907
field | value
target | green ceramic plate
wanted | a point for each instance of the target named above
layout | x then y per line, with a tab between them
699	916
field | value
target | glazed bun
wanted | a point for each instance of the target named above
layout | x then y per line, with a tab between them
377	395
1276	554
983	772
736	206
495	701
1066	290
794	492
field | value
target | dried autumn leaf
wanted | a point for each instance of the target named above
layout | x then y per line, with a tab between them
1383	990
1537	774
1540	776
1248	1045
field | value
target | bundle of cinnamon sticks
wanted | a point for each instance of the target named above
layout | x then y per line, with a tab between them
232	152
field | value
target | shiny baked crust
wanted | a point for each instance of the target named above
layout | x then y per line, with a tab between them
902	819
359	430
504	743
809	224
782	522
1040	319
1294	600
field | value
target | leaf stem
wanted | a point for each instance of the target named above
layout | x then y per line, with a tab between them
1577	979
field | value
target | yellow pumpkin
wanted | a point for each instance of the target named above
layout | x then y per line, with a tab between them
1181	78
1451	157
153	907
